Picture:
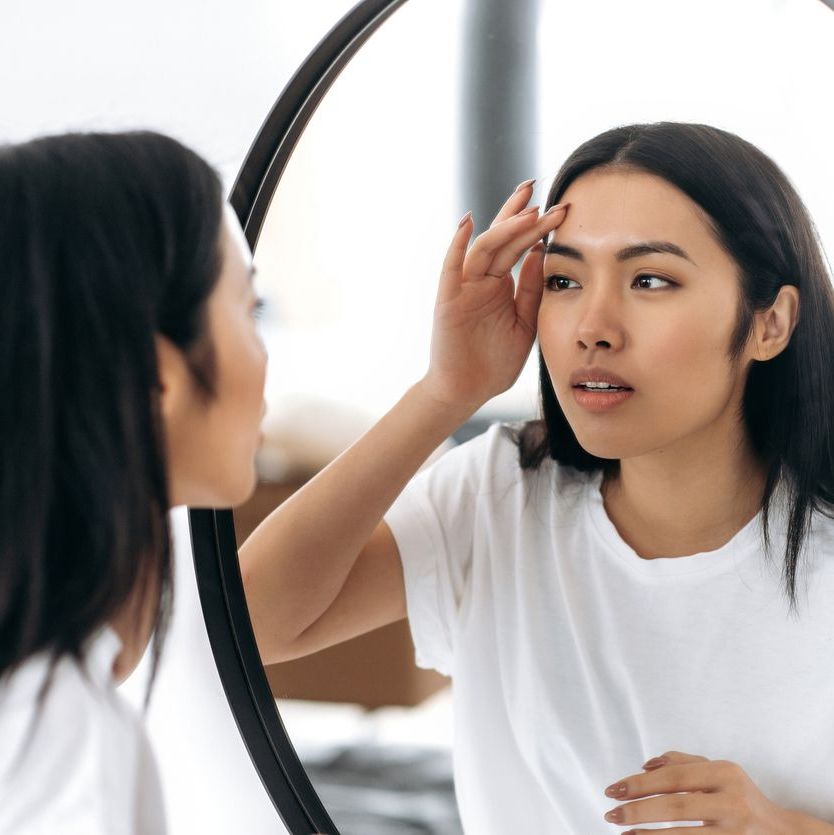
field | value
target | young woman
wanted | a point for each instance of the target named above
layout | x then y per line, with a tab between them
643	576
133	378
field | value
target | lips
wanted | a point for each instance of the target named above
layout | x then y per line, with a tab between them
596	374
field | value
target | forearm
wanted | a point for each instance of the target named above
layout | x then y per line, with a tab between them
297	560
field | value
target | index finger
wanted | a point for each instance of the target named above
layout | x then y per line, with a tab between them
685	777
515	202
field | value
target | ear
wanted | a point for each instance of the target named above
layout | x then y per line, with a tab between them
173	376
773	327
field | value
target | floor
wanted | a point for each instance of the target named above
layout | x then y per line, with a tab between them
381	772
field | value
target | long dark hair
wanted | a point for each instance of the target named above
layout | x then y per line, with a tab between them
760	220
105	241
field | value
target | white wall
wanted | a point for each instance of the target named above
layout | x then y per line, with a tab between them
205	71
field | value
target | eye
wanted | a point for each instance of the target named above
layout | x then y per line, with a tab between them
258	308
645	278
558	282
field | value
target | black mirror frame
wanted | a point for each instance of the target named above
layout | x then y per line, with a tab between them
212	530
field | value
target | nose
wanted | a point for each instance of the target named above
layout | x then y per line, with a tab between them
600	324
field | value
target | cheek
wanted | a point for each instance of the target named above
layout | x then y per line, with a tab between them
557	337
700	333
553	334
245	359
684	361
252	370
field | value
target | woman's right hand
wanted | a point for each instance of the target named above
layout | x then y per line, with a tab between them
484	327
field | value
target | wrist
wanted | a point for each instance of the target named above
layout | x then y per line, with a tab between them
798	823
439	404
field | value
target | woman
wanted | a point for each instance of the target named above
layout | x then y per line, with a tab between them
623	580
133	377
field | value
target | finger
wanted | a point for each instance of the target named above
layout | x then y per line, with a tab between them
706	776
451	272
487	244
672	757
505	257
528	294
515	202
693	806
675	830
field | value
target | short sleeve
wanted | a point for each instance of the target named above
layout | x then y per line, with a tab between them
433	522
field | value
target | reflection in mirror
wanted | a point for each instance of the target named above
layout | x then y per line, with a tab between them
348	261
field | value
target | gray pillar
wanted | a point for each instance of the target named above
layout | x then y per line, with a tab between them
500	102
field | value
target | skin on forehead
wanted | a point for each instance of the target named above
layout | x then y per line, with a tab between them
616	208
236	240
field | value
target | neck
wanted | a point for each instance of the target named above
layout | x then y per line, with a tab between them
686	499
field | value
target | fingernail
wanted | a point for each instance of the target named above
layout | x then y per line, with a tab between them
464	219
528	211
655	762
615	815
557	208
617	790
524	185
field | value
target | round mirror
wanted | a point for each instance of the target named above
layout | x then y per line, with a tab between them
447	107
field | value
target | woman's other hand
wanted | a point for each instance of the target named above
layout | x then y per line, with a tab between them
684	787
484	326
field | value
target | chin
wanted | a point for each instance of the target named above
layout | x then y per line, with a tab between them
243	491
608	447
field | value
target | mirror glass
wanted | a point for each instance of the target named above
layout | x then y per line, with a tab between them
348	261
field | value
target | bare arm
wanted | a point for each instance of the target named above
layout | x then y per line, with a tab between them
323	567
326	549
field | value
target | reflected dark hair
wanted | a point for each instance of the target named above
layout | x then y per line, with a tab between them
761	222
106	240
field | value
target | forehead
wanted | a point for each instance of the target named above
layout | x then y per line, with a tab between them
618	206
233	233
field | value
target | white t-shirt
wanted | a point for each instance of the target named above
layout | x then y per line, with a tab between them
574	660
87	768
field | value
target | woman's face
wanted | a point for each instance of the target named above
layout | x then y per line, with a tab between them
637	285
211	443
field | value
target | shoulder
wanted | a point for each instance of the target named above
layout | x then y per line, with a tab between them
83	743
478	461
492	459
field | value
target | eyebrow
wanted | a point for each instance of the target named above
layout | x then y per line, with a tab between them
633	251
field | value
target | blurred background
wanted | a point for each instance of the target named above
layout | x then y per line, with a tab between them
447	108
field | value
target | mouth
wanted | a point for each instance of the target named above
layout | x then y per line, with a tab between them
596	399
601	387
